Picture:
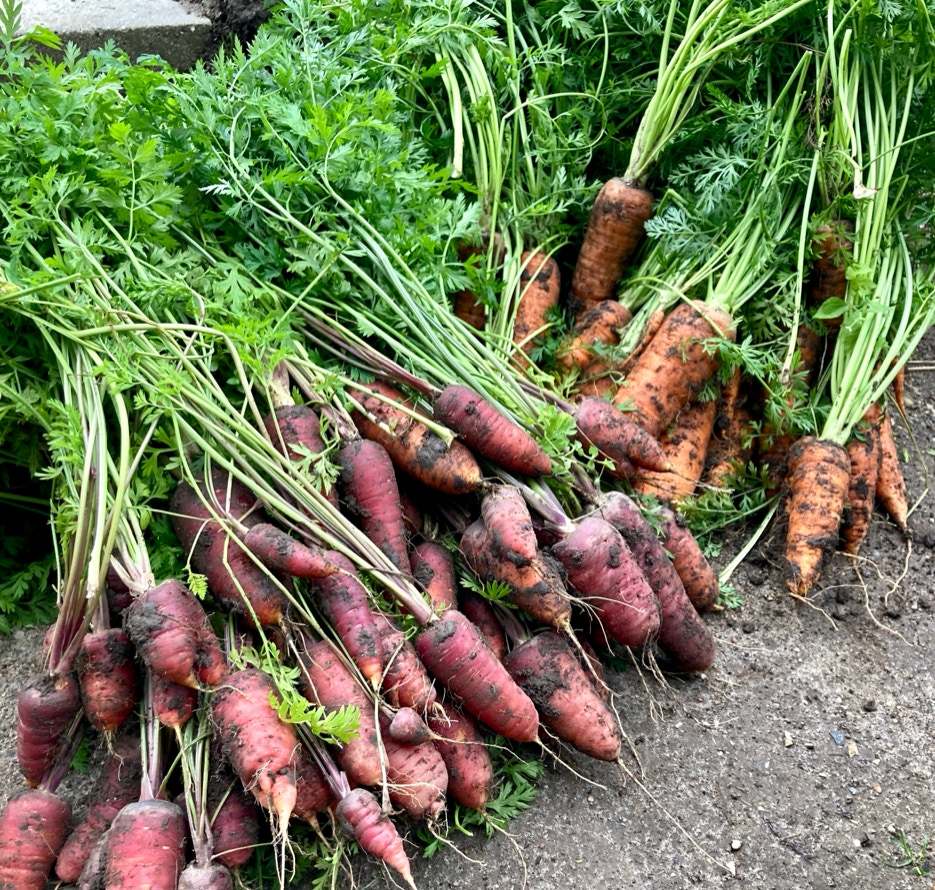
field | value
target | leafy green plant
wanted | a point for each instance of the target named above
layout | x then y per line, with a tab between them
914	858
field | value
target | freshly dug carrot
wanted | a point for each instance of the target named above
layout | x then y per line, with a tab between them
433	568
891	486
327	682
602	569
828	276
455	653
118	785
212	876
814	497
171	632
408	728
482	615
415	774
33	827
370	494
616	228
618	438
173	703
257	744
361	818
235	828
466	756
540	287
469	309
345	603
45	708
107	678
689	562
731	447
676	365
144	847
313	794
405	682
238	584
683	636
599	324
488	432
546	668
863	451
281	552
295	431
899	389
414	448
685	444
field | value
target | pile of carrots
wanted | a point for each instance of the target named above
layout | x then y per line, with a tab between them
342	542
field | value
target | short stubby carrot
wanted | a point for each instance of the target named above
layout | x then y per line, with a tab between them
173	703
489	432
456	654
863	450
546	667
616	228
107	678
33	827
416	775
676	365
414	448
618	438
235	828
814	495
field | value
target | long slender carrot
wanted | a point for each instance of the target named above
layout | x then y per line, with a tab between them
863	450
615	231
433	569
828	276
815	494
676	365
891	485
540	289
688	560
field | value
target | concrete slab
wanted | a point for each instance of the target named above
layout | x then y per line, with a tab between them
161	27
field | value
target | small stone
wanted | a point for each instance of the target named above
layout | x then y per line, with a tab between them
928	539
869	705
893	612
851	748
757	577
877	789
787	739
864	840
748	627
736	844
837	736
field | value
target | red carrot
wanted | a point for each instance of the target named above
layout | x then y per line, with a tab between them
489	432
408	728
466	756
107	678
280	552
618	439
480	613
45	709
693	568
295	430
406	684
173	703
433	568
416	775
234	823
33	827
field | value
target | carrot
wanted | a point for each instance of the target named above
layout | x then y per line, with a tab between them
257	744
890	488
326	681
683	636
107	678
416	775
433	568
480	613
455	653
828	276
33	827
118	785
466	756
144	847
370	494
295	431
540	287
408	728
546	667
685	444
617	438
675	366
602	569
599	324
173	703
469	309
173	636
863	451
360	816
45	708
405	683
688	560
345	603
899	390
212	876
312	793
814	497
234	823
280	552
614	233
238	584
413	447
488	432
731	445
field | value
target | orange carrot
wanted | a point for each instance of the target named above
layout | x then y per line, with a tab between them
614	233
731	444
899	389
599	324
689	562
414	448
685	444
676	365
814	497
469	309
489	432
540	287
828	276
863	450
891	486
546	667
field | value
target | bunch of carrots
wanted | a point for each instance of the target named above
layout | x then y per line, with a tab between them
329	550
